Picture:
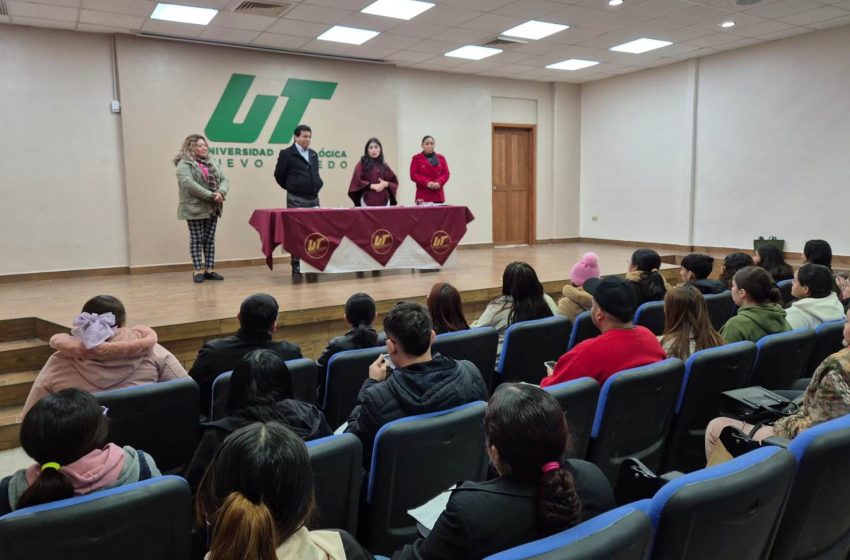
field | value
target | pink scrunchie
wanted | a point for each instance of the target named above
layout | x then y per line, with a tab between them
93	329
550	466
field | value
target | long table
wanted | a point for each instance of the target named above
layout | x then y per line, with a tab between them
359	239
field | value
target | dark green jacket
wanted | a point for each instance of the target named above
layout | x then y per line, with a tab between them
752	323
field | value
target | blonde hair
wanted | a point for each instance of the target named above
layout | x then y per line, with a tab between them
188	150
244	531
685	317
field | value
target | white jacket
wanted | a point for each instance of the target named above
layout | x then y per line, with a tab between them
811	312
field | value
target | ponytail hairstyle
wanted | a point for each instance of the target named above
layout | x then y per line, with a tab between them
685	317
732	263
759	285
772	260
260	378
528	428
519	281
651	284
366	162
360	313
446	309
107	304
61	428
256	493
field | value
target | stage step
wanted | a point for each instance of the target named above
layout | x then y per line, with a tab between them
9	428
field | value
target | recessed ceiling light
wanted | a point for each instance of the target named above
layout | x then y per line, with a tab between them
615	2
350	35
535	29
183	14
572	64
639	46
399	9
727	24
473	52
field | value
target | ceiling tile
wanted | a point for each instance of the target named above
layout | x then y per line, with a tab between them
326	47
421	29
794	31
278	41
462	36
758	29
493	23
411	56
739	18
127	7
574	35
434	47
813	16
844	20
40	11
354	5
369	21
393	41
451	15
783	8
66	3
480	5
172	28
229	34
577	15
696	14
318	14
713	40
49	23
367	50
111	20
529	9
653	9
90	28
298	28
243	21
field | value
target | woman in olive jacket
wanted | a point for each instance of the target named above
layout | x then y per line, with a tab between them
203	189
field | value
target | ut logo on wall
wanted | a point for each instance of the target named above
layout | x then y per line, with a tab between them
222	128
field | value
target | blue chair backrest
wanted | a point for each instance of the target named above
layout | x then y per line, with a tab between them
529	344
816	523
633	416
651	316
730	510
337	463
220	392
346	373
828	338
708	373
583	328
720	308
785	289
624	533
782	358
139	521
578	401
414	459
478	345
162	419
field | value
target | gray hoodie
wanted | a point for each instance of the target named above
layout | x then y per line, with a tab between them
811	312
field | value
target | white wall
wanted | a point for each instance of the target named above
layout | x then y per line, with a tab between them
61	174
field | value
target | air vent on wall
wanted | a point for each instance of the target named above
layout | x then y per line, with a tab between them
269	8
504	41
4	11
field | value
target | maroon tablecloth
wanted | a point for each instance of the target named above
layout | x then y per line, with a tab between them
313	234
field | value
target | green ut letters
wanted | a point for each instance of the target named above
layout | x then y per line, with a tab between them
222	128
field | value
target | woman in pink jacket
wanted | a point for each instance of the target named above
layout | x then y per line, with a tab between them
102	354
430	172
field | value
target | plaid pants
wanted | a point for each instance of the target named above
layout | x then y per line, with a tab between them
202	241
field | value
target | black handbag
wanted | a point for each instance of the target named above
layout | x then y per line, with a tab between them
755	405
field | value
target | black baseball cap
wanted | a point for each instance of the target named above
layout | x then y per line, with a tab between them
614	295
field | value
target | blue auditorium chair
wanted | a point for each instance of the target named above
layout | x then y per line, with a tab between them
633	416
346	373
337	462
782	358
161	419
478	345
578	400
583	328
624	533
139	521
651	316
528	344
785	289
828	340
720	308
708	373
414	459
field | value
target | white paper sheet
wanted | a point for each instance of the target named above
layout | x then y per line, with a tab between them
428	513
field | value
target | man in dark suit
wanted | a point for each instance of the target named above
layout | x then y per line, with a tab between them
297	172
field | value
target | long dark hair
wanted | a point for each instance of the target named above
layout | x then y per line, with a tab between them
772	260
368	162
519	281
256	492
61	428
732	263
759	285
259	378
360	313
446	309
528	428
651	284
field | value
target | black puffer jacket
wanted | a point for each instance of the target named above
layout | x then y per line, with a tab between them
708	286
418	389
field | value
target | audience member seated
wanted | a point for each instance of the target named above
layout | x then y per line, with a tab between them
446	309
687	325
645	276
257	322
826	397
65	433
818	251
102	354
773	261
257	496
260	391
412	381
575	299
842	284
732	263
759	312
695	271
537	493
622	345
359	314
522	299
817	302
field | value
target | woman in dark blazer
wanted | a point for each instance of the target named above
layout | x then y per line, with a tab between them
536	494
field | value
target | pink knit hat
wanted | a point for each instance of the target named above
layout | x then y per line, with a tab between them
587	267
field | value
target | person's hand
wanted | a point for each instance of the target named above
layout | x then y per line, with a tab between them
378	369
843	287
217	198
376	187
433	185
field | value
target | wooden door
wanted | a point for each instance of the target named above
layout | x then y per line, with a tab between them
513	184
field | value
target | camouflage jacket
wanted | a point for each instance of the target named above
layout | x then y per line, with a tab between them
826	397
